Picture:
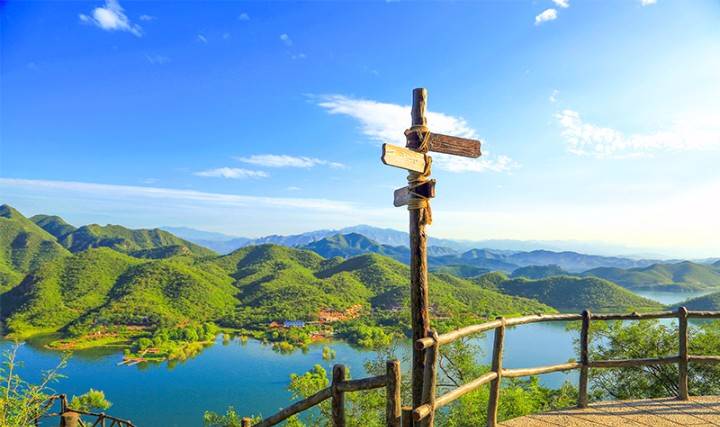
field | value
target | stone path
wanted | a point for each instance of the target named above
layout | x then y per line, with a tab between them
699	411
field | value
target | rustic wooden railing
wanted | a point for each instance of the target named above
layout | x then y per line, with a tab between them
424	414
336	392
70	417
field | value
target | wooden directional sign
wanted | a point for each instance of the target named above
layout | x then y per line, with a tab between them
455	145
401	157
403	195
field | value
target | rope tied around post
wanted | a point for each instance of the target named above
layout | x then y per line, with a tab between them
415	179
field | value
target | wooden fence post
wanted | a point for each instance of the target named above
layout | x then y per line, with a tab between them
338	396
429	382
584	360
683	356
407	417
494	399
246	422
392	394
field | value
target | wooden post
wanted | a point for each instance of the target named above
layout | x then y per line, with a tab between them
338	397
494	398
246	422
393	406
584	360
683	393
429	382
418	266
407	417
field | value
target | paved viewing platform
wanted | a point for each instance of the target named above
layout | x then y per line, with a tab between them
698	411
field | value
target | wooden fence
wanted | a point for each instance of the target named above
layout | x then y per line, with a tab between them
336	392
70	417
424	413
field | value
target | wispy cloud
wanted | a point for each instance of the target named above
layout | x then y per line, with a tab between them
117	192
286	39
157	59
243	17
554	96
286	161
562	3
545	16
231	173
385	122
647	2
111	17
690	132
202	38
147	18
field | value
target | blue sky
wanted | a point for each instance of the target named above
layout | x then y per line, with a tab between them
600	120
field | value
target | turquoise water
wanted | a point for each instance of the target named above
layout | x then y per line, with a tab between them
665	297
251	376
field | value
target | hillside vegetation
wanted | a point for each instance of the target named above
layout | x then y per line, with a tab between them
574	294
671	277
23	247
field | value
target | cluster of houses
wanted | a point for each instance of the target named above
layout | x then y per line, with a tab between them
325	316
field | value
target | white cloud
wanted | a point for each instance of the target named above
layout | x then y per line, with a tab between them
298	56
554	96
157	59
385	122
243	17
647	2
111	17
117	192
285	161
202	38
690	132
546	15
232	173
286	39
147	18
562	3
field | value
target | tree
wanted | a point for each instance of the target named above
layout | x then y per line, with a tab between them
92	401
651	339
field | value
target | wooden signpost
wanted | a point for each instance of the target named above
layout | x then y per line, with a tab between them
416	196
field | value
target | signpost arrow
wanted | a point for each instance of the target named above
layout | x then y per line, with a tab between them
403	195
455	145
403	158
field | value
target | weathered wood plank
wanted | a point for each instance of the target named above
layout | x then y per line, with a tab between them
496	366
362	384
621	363
402	195
454	145
338	396
526	372
636	316
296	407
683	353
584	360
403	158
393	398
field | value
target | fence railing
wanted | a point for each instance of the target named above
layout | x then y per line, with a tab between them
70	417
336	391
424	414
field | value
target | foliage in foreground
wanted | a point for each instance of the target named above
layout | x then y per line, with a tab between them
22	402
652	339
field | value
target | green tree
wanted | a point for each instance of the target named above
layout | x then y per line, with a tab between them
92	401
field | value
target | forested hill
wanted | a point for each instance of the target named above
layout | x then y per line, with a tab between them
23	247
571	294
684	275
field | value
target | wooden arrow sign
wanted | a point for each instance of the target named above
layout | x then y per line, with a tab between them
403	158
455	145
403	195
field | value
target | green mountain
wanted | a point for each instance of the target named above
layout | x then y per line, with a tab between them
279	283
101	286
574	294
54	225
710	302
125	240
539	271
460	270
672	277
23	247
353	244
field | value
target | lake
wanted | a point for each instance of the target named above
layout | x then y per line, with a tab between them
251	376
665	297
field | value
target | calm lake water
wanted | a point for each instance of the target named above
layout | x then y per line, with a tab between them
253	378
665	297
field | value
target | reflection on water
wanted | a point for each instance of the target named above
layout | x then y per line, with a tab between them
667	298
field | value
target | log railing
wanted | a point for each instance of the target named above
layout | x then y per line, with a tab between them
70	417
336	392
423	414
